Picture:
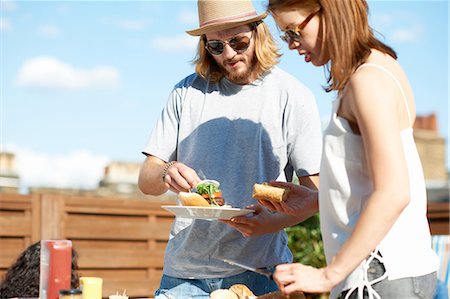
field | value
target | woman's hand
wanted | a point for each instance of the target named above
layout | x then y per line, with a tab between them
299	202
294	278
262	221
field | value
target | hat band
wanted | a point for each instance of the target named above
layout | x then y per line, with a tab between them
227	19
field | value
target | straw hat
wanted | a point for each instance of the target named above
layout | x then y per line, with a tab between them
215	15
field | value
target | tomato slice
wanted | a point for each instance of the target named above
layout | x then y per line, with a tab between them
216	195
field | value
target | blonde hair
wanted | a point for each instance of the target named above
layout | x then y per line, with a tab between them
266	53
348	36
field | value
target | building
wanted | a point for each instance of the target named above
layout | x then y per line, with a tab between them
9	178
432	151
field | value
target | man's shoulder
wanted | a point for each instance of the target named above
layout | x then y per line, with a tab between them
286	80
192	80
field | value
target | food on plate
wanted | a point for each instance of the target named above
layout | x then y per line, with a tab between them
279	295
271	193
209	190
223	294
205	194
117	296
192	199
242	291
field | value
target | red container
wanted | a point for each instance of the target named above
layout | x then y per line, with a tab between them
56	268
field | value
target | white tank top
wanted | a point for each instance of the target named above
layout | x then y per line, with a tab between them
345	186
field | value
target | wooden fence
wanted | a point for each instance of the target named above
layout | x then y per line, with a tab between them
119	240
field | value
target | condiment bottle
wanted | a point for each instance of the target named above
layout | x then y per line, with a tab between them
70	294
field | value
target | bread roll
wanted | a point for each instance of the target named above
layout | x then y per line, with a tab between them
223	294
192	199
267	192
279	295
242	291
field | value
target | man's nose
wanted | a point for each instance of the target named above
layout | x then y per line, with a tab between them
228	51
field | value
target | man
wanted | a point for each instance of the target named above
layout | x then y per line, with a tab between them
238	120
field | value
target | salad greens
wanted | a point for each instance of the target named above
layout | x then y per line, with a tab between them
207	188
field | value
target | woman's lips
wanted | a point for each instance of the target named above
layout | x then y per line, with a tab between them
307	56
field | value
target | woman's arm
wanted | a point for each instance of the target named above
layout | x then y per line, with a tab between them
377	105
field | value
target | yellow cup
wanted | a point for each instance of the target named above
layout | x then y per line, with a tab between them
91	287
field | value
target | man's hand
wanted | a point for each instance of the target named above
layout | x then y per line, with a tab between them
180	177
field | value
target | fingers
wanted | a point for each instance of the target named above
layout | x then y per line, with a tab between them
180	177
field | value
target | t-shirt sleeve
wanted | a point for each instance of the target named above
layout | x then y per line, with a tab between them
304	132
163	139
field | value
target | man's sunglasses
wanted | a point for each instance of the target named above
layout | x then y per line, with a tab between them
295	35
239	44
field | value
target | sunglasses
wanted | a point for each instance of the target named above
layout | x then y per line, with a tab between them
239	44
295	35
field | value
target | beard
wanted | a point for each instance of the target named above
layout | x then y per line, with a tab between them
240	76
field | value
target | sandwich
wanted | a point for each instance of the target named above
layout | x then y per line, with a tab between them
206	193
267	192
236	291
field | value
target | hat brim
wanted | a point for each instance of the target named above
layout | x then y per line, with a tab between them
226	25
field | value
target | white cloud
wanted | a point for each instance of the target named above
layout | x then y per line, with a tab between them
5	24
412	34
79	169
175	43
53	74
49	31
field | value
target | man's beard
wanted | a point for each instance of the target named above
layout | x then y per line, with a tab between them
240	77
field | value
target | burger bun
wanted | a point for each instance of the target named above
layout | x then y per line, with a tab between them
192	199
223	294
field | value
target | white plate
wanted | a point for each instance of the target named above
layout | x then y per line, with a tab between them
207	213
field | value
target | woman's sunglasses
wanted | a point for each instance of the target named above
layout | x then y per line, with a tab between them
295	35
239	44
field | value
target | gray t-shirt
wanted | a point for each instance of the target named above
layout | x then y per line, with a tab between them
238	135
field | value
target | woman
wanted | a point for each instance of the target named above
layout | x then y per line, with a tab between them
372	197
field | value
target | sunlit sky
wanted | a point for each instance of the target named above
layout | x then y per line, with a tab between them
83	82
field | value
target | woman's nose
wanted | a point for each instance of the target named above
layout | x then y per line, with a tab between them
294	45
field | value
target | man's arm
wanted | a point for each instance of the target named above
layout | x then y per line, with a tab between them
177	176
150	177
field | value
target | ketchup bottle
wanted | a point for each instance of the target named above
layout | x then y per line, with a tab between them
56	268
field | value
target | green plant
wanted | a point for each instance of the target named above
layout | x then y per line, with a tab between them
305	242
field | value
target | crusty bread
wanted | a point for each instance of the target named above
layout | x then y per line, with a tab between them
223	294
278	295
270	193
192	199
242	291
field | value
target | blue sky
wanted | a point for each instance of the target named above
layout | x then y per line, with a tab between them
83	82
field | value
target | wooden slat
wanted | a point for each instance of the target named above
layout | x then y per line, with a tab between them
107	228
109	244
2	274
115	274
15	225
10	249
438	217
104	259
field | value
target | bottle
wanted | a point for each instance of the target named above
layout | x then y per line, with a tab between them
55	267
70	294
